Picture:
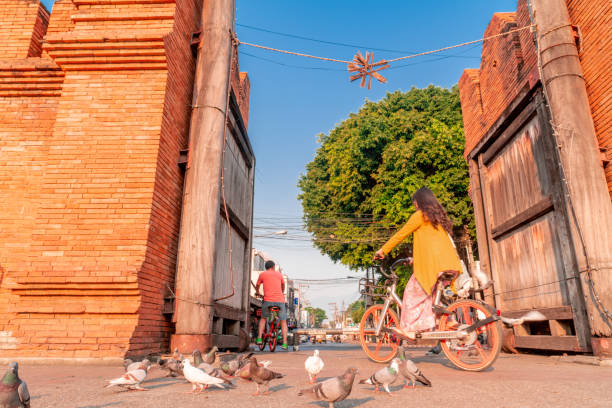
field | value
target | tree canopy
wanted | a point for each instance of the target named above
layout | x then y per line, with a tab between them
357	190
317	315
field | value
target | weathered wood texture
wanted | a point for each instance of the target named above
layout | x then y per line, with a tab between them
522	240
579	152
202	188
521	220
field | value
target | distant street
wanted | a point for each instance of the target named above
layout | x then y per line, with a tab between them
514	381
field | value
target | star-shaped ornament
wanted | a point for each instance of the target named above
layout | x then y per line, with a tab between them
365	68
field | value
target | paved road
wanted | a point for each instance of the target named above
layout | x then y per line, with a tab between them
514	381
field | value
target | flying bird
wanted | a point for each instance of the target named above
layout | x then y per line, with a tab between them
410	371
313	364
198	378
261	375
13	390
333	390
383	377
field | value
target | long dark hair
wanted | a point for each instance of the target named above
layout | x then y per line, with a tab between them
432	209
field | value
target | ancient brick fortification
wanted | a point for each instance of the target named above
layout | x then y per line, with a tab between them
93	119
509	67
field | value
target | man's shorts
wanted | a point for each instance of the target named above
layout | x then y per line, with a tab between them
265	312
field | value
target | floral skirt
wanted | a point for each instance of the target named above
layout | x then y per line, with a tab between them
417	314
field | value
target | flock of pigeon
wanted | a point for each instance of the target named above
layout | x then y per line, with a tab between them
208	370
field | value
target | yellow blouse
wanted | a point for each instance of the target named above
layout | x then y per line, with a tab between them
433	250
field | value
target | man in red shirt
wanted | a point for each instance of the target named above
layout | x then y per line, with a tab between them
273	286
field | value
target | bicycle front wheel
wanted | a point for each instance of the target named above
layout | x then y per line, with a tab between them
481	347
384	347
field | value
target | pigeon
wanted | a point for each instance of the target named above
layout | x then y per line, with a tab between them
383	377
126	363
209	357
198	378
13	390
245	372
483	279
230	367
532	316
206	367
261	375
410	371
313	364
174	367
333	390
134	365
132	378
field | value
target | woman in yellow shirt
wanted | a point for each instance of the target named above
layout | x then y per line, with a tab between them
433	252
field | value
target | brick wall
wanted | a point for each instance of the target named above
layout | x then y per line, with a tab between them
90	189
509	65
26	19
594	18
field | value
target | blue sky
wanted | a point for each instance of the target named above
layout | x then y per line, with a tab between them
290	105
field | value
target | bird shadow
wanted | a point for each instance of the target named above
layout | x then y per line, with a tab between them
172	380
443	361
280	387
110	404
347	403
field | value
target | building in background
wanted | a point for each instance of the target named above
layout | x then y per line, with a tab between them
95	106
538	128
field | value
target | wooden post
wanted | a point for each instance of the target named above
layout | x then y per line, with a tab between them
579	154
194	281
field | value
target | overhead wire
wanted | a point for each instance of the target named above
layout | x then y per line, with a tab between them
393	59
341	44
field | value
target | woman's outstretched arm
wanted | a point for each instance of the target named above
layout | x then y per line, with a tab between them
413	223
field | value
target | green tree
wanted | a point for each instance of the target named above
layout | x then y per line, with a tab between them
318	313
356	191
356	310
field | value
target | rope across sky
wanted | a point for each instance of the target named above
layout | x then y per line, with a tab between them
366	69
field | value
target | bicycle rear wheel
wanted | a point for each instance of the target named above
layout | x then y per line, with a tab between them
384	347
264	340
481	347
273	337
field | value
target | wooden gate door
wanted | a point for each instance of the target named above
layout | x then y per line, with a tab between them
526	230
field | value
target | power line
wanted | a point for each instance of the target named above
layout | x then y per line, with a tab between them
338	43
394	59
291	65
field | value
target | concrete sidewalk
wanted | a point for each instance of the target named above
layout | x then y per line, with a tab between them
514	381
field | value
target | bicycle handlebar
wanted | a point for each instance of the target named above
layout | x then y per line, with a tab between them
394	265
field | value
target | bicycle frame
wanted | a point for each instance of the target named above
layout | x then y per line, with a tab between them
391	297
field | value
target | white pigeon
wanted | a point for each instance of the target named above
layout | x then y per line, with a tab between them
136	365
483	280
532	316
313	364
131	379
198	378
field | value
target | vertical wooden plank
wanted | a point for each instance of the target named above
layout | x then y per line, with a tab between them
487	212
562	230
558	328
194	286
481	226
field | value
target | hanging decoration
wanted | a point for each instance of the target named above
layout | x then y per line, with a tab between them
364	67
